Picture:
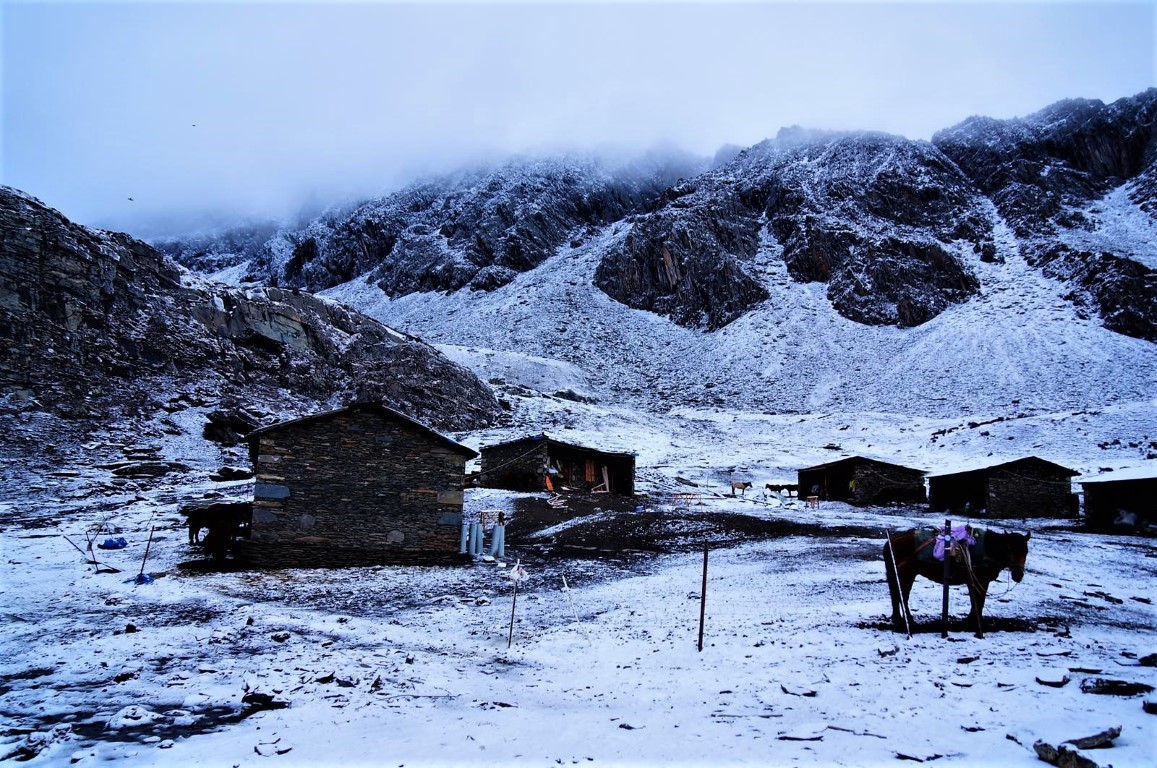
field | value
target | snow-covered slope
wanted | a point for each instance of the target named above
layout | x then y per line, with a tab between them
772	388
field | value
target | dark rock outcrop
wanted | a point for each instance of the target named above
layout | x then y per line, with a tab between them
1044	170
686	266
478	229
880	219
208	253
96	325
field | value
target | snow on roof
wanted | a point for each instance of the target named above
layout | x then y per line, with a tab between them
547	438
994	463
1147	471
858	457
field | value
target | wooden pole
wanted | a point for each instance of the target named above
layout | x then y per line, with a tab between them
703	600
145	559
947	575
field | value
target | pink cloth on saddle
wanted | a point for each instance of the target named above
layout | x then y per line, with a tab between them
959	533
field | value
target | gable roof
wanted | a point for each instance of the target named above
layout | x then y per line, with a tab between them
374	408
851	460
544	438
985	467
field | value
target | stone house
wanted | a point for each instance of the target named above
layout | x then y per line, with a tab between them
861	480
1124	499
541	463
1025	487
363	485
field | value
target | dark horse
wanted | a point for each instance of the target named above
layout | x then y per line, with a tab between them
907	555
225	520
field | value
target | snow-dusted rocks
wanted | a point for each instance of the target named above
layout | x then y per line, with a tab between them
97	326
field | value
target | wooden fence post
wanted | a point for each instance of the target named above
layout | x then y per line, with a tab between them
703	600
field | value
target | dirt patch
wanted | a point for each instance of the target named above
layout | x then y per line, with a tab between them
591	525
963	625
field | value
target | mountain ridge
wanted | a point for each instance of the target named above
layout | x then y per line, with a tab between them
884	222
99	329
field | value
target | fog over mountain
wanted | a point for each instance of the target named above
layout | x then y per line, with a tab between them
151	116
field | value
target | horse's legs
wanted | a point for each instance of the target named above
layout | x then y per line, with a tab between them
893	585
907	579
977	593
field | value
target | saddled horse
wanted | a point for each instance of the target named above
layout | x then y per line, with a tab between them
908	554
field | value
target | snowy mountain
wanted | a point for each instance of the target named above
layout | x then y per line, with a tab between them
1074	183
888	225
862	278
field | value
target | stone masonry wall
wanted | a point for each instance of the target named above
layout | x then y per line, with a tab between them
516	467
357	488
1028	492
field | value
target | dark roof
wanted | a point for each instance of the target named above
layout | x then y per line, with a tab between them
543	437
850	460
985	468
376	408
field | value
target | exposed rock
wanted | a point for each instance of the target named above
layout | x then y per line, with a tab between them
1042	171
217	250
686	266
93	324
1062	756
477	229
1097	740
1110	687
884	221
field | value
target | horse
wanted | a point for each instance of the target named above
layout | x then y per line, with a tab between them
907	555
223	520
739	485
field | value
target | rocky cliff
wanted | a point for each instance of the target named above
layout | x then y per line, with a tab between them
475	230
1054	176
883	221
98	327
890	226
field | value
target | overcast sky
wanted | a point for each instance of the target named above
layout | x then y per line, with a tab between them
251	108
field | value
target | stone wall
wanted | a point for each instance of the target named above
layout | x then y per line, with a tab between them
881	484
354	488
515	466
1027	491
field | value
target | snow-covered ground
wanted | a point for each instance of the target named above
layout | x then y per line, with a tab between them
411	666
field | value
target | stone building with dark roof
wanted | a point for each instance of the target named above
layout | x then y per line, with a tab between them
861	480
363	485
541	463
1025	487
1122	500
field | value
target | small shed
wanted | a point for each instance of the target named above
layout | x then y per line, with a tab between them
542	463
1126	498
362	485
1025	487
862	480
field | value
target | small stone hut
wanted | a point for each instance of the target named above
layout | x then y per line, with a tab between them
542	463
1126	499
1025	487
861	480
363	485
